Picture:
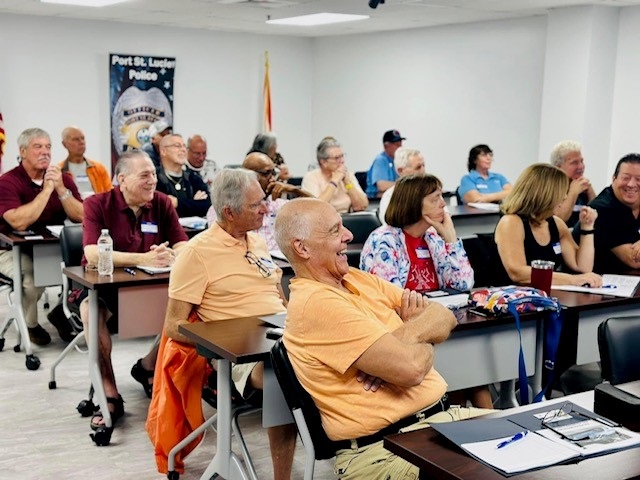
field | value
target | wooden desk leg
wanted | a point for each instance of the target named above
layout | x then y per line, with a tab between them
17	300
94	366
225	463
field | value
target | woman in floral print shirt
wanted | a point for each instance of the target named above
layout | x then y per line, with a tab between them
418	248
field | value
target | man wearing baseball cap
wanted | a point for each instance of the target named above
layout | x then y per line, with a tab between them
382	175
157	130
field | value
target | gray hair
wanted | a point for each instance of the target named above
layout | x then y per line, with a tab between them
293	223
167	139
263	143
561	149
29	134
229	188
402	156
124	162
324	146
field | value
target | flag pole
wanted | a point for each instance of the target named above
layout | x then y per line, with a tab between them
266	117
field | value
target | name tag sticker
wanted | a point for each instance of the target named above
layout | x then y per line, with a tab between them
423	252
577	208
482	186
557	249
149	227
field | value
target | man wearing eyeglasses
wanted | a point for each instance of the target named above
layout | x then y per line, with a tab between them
273	191
343	327
186	189
224	272
197	159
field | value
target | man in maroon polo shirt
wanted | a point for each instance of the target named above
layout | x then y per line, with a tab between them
145	231
33	195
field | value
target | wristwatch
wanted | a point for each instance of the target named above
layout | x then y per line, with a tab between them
65	195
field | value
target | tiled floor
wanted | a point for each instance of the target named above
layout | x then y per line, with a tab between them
42	435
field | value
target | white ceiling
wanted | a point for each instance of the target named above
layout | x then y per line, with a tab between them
249	15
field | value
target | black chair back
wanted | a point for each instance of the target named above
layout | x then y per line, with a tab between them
362	180
298	398
361	224
485	261
297	181
71	245
619	345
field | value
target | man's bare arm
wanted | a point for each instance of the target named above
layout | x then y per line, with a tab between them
177	314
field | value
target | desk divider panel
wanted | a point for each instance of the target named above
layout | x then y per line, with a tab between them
46	264
141	310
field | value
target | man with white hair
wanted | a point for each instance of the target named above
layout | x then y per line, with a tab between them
157	130
407	162
567	156
34	194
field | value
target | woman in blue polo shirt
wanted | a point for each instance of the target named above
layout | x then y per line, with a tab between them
481	185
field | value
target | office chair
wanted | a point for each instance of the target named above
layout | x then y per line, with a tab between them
297	181
360	224
618	341
32	362
482	252
362	180
317	445
72	251
458	197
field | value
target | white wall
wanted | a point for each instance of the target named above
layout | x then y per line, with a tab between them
445	89
625	136
54	72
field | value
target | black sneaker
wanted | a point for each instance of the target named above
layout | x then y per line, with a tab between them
59	320
39	336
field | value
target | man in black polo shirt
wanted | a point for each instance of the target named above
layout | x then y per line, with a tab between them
617	237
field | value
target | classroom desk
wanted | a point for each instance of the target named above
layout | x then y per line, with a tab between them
440	459
144	306
46	266
589	310
241	340
469	220
481	351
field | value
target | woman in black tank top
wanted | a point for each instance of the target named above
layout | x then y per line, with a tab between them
529	230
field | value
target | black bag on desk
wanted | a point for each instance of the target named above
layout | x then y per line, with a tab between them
618	405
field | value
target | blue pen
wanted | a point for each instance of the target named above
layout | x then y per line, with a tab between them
515	438
130	271
609	286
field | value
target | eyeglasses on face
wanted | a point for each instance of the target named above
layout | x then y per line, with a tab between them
199	154
254	260
268	173
177	145
337	157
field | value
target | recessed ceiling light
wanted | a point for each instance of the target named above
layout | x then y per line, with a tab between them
85	3
317	19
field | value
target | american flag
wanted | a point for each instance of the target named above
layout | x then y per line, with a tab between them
266	120
3	140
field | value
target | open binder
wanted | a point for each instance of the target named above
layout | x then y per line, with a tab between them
554	435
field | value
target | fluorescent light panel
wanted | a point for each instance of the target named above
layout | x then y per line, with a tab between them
85	3
317	19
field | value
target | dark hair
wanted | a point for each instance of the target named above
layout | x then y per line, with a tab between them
405	206
263	143
629	158
473	155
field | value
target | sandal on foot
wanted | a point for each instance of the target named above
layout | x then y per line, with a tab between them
117	413
142	375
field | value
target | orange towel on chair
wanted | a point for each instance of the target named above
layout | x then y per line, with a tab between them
176	405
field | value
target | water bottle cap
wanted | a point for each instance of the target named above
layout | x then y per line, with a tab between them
105	231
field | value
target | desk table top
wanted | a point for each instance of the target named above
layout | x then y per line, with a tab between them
13	239
120	278
240	340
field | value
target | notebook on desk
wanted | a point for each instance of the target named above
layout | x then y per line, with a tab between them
153	270
537	438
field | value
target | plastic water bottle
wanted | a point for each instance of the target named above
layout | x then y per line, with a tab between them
105	253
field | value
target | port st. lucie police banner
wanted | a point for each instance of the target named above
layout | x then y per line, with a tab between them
141	93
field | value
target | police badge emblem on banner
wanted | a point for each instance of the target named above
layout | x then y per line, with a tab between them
141	92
